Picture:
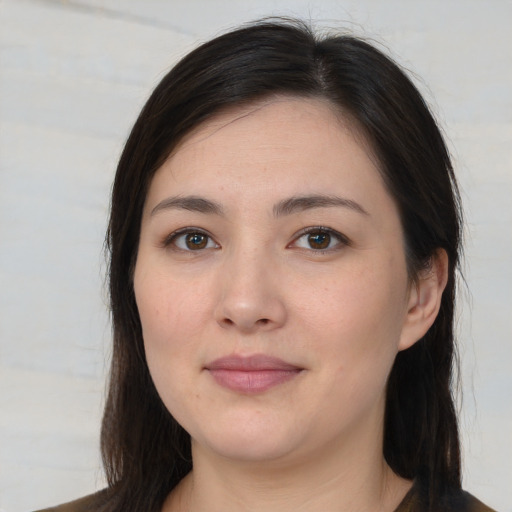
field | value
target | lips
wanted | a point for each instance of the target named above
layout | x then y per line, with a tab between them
253	374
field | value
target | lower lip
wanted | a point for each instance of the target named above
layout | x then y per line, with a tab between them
254	381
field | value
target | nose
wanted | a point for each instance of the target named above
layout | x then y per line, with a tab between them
251	297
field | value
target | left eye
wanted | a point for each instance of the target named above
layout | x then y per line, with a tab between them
320	240
192	241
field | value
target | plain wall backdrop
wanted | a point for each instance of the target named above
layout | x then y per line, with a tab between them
73	76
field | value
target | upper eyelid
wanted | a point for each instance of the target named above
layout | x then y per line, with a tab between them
183	231
330	231
304	231
189	229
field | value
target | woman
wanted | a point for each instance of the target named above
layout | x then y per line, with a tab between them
284	237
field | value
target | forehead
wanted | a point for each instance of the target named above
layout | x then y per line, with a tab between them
272	117
271	149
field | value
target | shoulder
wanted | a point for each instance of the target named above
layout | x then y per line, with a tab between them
455	500
464	502
90	503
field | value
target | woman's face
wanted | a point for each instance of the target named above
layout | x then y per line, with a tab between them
271	283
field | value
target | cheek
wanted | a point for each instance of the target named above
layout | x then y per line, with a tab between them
356	319
171	311
172	322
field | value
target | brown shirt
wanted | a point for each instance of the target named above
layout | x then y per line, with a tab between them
458	501
89	503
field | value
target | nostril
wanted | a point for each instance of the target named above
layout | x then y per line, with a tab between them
263	321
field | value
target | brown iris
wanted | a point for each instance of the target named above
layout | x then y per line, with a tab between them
195	241
319	240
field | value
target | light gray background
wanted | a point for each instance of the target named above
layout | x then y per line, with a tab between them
73	75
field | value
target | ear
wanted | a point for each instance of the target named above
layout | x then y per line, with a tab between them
424	300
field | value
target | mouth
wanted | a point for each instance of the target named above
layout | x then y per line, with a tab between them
252	374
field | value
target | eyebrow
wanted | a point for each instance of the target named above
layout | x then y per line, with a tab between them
288	206
190	203
301	203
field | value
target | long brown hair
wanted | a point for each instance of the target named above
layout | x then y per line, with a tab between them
145	451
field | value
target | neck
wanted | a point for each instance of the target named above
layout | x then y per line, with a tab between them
341	478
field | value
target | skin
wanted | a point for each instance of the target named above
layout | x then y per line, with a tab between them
257	285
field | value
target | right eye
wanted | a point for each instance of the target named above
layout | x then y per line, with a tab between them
191	240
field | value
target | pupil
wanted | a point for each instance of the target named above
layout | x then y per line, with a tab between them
319	240
196	241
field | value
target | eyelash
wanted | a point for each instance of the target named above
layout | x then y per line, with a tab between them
341	239
175	235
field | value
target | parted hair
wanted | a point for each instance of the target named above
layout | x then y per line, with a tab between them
145	451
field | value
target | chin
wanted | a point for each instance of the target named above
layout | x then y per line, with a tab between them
253	442
249	450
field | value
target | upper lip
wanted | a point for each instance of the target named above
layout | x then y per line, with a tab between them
257	362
